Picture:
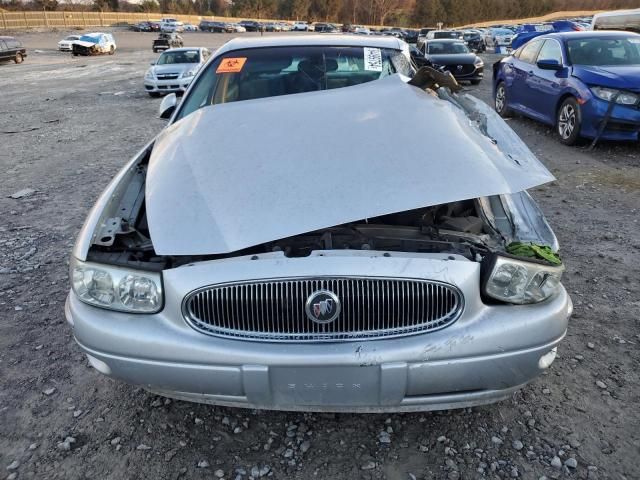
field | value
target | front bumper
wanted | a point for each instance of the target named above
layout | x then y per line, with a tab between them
167	86
624	123
476	75
489	352
65	48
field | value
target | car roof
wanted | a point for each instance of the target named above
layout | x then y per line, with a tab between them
183	49
334	40
6	37
589	34
444	40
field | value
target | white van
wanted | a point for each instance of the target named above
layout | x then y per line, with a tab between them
628	20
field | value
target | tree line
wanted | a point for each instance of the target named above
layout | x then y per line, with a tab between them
407	13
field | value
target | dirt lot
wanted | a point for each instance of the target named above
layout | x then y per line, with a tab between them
66	127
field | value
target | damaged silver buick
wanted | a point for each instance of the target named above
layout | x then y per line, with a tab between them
288	242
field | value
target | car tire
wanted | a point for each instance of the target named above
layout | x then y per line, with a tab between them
18	58
569	121
475	82
112	50
500	101
154	94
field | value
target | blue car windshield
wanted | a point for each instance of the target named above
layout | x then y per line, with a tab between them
601	52
90	39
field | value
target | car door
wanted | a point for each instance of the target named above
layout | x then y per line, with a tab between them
545	86
521	67
4	53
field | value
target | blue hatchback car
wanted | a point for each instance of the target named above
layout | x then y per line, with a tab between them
585	84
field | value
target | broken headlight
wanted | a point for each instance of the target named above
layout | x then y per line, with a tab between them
513	280
116	288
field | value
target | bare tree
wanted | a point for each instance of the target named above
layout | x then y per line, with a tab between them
384	8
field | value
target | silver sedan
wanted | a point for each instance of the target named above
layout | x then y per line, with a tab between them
315	231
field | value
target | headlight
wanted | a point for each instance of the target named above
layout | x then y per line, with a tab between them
189	73
624	98
519	281
478	62
149	74
116	288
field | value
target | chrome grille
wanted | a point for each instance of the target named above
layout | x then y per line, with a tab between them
274	310
168	76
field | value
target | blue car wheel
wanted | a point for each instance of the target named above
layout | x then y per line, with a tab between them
500	101
569	121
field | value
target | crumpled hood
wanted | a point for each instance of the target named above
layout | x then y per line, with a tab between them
624	77
235	175
82	43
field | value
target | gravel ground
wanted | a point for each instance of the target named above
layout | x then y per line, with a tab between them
67	125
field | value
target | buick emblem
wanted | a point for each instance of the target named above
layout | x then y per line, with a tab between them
459	67
323	306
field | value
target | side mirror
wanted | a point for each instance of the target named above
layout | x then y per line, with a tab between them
549	64
168	106
152	63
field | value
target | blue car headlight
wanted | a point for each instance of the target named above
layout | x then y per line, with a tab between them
607	94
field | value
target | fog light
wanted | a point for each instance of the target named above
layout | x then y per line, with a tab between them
99	365
547	359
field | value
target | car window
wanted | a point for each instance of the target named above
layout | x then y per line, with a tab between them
440	48
267	72
604	51
551	51
530	51
89	38
2	45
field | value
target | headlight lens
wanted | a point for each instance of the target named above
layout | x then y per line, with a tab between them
478	62
149	74
116	288
519	281
189	73
624	98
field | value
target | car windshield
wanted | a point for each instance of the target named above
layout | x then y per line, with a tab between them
90	39
72	37
182	56
446	35
604	51
471	35
267	72
446	48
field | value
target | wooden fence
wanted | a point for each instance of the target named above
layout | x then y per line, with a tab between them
62	19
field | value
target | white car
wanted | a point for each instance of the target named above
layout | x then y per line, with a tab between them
66	44
300	27
94	44
174	70
190	28
169	25
235	28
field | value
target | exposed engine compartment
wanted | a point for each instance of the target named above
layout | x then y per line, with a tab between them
471	228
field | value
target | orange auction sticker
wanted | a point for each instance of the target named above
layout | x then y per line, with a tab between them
231	65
